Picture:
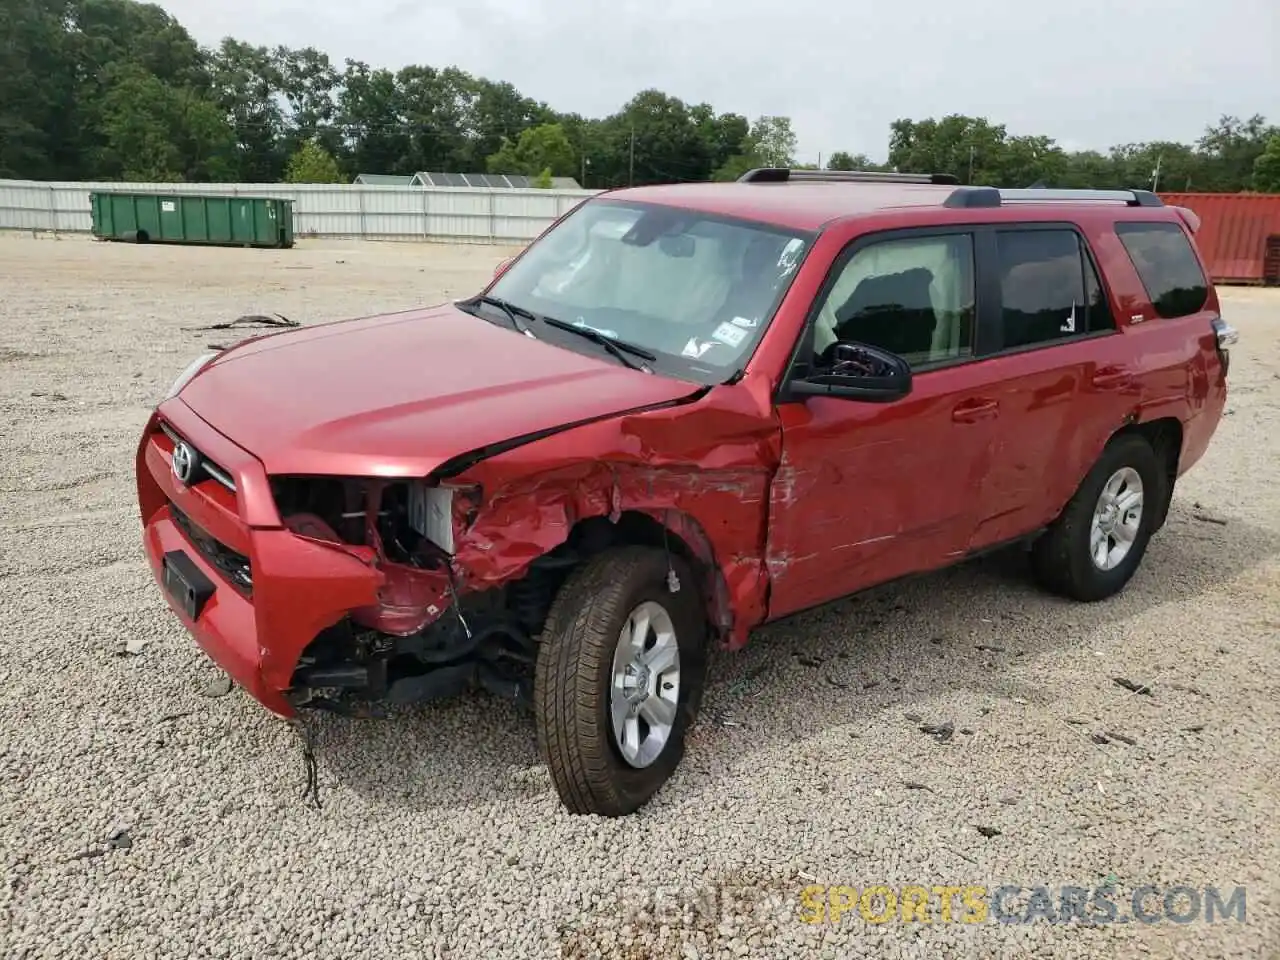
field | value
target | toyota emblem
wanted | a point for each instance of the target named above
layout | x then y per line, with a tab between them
184	460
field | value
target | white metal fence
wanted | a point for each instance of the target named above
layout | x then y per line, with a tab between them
463	214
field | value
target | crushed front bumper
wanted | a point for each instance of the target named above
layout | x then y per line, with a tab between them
297	588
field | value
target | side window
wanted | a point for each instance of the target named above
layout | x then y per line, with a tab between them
1049	289
1167	265
913	296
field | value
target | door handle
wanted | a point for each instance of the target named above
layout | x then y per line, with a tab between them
1110	377
972	411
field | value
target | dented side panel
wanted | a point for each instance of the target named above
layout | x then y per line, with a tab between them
868	492
703	470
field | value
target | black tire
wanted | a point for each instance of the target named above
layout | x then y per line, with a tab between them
1061	560
574	669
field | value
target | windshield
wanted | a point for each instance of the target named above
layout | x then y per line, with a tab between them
694	290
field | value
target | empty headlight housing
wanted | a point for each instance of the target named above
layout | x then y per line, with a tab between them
196	365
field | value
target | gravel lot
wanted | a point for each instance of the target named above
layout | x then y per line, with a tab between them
440	834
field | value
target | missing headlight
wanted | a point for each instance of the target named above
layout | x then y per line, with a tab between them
431	514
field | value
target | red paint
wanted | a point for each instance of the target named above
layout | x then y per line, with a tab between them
441	383
787	506
1234	231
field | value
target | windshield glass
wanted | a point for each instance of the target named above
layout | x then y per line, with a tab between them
693	289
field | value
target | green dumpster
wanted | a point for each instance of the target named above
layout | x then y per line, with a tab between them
188	218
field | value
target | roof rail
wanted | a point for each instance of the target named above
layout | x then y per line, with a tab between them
785	174
973	197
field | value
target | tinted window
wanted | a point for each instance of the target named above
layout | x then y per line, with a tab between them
1049	290
913	296
1167	265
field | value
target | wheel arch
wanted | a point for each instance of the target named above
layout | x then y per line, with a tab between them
663	528
1165	435
530	522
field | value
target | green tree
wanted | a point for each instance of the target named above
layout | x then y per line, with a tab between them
977	151
654	138
1023	161
724	134
435	105
497	111
121	49
970	148
1089	169
1232	147
544	147
309	84
543	180
97	89
773	141
736	166
1266	169
1135	165
247	86
840	160
153	131
312	163
115	33
371	115
38	133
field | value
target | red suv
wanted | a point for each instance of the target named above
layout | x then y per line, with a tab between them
682	412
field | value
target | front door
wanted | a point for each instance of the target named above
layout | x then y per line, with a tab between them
871	491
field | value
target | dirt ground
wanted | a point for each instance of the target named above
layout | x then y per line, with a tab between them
143	815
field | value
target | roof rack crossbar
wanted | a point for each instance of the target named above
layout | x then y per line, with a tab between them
786	174
972	197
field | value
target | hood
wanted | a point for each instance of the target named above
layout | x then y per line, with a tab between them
398	395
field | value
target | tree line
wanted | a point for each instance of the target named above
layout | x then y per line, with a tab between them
119	90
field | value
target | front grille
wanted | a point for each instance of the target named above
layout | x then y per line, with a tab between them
234	566
201	465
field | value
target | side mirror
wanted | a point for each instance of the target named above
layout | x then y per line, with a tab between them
501	267
857	371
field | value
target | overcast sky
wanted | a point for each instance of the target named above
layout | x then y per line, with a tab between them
1090	73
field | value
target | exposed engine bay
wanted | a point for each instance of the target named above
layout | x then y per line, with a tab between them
429	636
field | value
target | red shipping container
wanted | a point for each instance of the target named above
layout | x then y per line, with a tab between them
1239	235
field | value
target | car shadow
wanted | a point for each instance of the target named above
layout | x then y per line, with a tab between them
830	667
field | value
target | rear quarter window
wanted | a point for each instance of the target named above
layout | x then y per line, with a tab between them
1167	266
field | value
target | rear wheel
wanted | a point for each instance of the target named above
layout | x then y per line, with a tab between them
619	676
1093	549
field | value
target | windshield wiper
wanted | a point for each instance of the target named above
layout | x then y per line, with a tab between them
513	313
618	348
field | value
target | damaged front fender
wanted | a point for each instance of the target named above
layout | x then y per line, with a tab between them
701	471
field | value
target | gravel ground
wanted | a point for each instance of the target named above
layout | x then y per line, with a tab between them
143	816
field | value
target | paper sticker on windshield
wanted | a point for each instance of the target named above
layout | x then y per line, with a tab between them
789	259
743	322
694	350
729	335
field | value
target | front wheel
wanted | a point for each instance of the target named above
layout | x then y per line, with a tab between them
618	679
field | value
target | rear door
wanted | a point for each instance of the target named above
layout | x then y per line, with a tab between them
870	491
1060	370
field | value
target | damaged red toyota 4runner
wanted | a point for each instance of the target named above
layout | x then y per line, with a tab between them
683	412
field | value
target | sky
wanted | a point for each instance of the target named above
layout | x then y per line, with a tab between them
1089	73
